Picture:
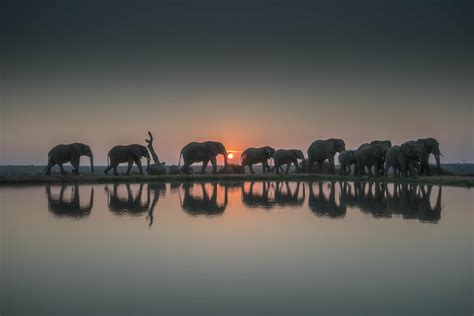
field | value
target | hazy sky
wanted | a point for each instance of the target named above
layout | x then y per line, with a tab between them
247	73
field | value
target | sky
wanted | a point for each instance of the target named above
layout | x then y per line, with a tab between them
246	73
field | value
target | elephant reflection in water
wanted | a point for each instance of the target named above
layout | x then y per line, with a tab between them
204	205
287	196
69	207
372	200
321	205
253	199
413	201
127	204
133	204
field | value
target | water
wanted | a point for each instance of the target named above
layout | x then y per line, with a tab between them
236	249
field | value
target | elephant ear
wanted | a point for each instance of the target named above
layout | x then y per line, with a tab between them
137	153
268	151
77	149
376	152
213	148
405	150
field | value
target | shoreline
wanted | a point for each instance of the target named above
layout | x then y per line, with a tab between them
456	181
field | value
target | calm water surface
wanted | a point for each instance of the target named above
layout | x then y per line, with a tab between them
277	248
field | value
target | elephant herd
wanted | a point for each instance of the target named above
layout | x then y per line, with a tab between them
374	158
324	199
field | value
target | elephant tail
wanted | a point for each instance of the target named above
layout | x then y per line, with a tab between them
243	156
49	159
180	155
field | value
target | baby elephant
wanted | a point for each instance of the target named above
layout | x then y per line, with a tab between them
131	153
347	158
286	157
252	156
61	154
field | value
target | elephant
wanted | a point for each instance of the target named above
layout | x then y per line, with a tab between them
71	207
204	205
371	155
130	153
392	160
395	158
251	156
430	146
286	157
411	154
347	158
321	150
202	152
261	199
386	143
61	154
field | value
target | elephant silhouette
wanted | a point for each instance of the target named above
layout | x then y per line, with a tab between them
260	199
69	207
323	206
204	205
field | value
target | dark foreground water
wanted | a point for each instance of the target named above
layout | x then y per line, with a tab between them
236	249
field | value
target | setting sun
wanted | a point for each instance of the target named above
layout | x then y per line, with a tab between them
230	155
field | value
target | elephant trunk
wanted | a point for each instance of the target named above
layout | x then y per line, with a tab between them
92	163
148	164
225	158
438	163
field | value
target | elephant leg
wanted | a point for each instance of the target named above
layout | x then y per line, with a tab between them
251	169
376	168
204	166
106	170
130	164
288	165
214	164
266	168
63	172
320	165
48	168
186	168
370	171
404	170
297	168
277	169
310	165
412	169
139	165
342	169
428	169
115	171
332	168
75	164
